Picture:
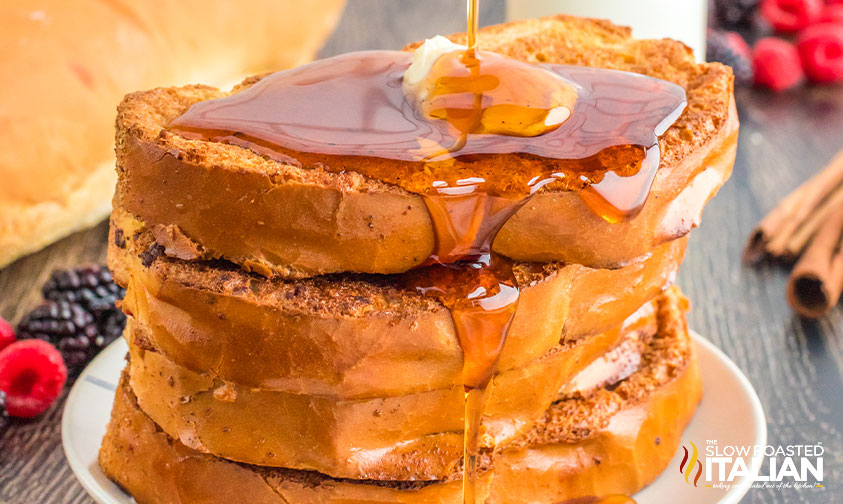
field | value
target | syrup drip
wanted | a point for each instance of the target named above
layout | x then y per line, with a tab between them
482	295
490	132
480	290
475	399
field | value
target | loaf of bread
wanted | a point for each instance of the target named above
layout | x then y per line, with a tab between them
68	64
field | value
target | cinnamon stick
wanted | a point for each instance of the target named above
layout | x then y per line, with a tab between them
796	243
785	231
816	281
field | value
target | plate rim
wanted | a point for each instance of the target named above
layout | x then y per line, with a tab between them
77	466
739	491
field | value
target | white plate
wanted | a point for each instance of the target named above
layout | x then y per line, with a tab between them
729	413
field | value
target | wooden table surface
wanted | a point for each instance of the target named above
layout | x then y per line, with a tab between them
795	366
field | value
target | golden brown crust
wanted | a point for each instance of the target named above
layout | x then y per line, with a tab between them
57	113
347	222
619	454
335	335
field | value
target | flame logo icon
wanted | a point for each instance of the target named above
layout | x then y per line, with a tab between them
686	467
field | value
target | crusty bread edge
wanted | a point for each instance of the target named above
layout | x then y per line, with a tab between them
28	228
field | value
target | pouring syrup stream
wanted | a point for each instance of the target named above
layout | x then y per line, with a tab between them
494	325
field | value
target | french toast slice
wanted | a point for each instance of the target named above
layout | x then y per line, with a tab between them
415	436
610	438
298	221
365	438
355	336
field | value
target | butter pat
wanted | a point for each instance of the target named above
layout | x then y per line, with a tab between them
485	94
423	59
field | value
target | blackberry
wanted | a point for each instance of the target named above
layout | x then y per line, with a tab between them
90	286
759	27
70	327
79	315
735	13
94	289
730	49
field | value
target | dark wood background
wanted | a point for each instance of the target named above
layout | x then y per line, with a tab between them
794	365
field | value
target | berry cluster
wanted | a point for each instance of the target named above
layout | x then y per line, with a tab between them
809	45
77	318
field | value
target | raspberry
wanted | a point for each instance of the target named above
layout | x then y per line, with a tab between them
7	334
777	64
32	375
791	15
731	49
821	49
832	14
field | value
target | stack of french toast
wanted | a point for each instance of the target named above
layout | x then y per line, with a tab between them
276	356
